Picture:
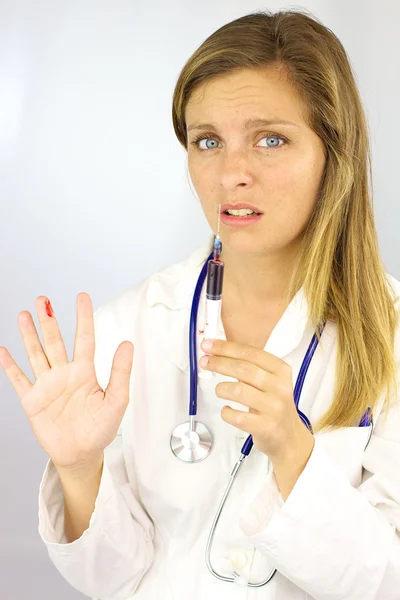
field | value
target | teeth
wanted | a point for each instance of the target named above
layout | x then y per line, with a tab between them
241	213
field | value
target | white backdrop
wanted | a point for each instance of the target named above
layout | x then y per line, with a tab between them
94	189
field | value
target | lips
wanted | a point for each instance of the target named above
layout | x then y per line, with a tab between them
252	207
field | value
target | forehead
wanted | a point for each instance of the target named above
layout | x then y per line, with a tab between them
263	92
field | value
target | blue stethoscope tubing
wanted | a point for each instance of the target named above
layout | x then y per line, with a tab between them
248	445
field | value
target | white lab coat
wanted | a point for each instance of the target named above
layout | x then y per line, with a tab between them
336	537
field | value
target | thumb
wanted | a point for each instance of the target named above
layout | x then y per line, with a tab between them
118	386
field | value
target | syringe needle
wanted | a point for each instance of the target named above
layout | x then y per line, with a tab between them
217	243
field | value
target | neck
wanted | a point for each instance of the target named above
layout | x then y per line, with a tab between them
257	281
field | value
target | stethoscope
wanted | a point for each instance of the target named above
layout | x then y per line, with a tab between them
192	441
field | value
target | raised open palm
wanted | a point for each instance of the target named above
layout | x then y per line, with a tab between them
72	417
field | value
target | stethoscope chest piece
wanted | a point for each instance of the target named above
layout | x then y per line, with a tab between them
191	444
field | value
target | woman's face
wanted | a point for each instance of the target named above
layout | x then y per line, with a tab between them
276	167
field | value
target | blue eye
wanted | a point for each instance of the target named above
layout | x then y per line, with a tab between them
276	137
197	141
214	143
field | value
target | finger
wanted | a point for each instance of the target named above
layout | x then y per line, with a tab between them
19	380
248	422
261	358
118	386
34	349
84	345
52	340
242	394
242	370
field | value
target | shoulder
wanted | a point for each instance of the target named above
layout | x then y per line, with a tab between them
394	287
171	286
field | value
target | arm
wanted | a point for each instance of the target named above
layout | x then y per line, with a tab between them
331	538
80	490
109	528
119	533
288	470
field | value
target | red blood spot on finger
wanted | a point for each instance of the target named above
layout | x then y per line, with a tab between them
49	308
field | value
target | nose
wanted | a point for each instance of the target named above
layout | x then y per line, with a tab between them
235	170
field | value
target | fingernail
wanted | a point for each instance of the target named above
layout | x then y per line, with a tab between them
49	308
204	360
206	344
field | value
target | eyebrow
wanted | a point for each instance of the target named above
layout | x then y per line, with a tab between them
246	125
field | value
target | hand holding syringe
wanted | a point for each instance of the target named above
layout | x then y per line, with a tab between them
215	277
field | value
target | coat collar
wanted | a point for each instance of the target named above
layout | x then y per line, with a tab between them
173	288
174	285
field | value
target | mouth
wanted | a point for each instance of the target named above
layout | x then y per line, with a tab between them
240	210
239	220
241	213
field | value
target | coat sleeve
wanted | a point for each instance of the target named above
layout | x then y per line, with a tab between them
110	558
331	539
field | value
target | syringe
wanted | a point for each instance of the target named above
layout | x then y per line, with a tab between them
215	278
218	243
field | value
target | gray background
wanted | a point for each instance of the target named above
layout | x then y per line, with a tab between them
91	173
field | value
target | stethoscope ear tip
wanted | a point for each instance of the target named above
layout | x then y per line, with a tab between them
239	580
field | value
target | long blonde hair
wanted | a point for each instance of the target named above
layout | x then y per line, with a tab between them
338	265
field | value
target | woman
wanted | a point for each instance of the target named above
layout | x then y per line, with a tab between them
270	116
